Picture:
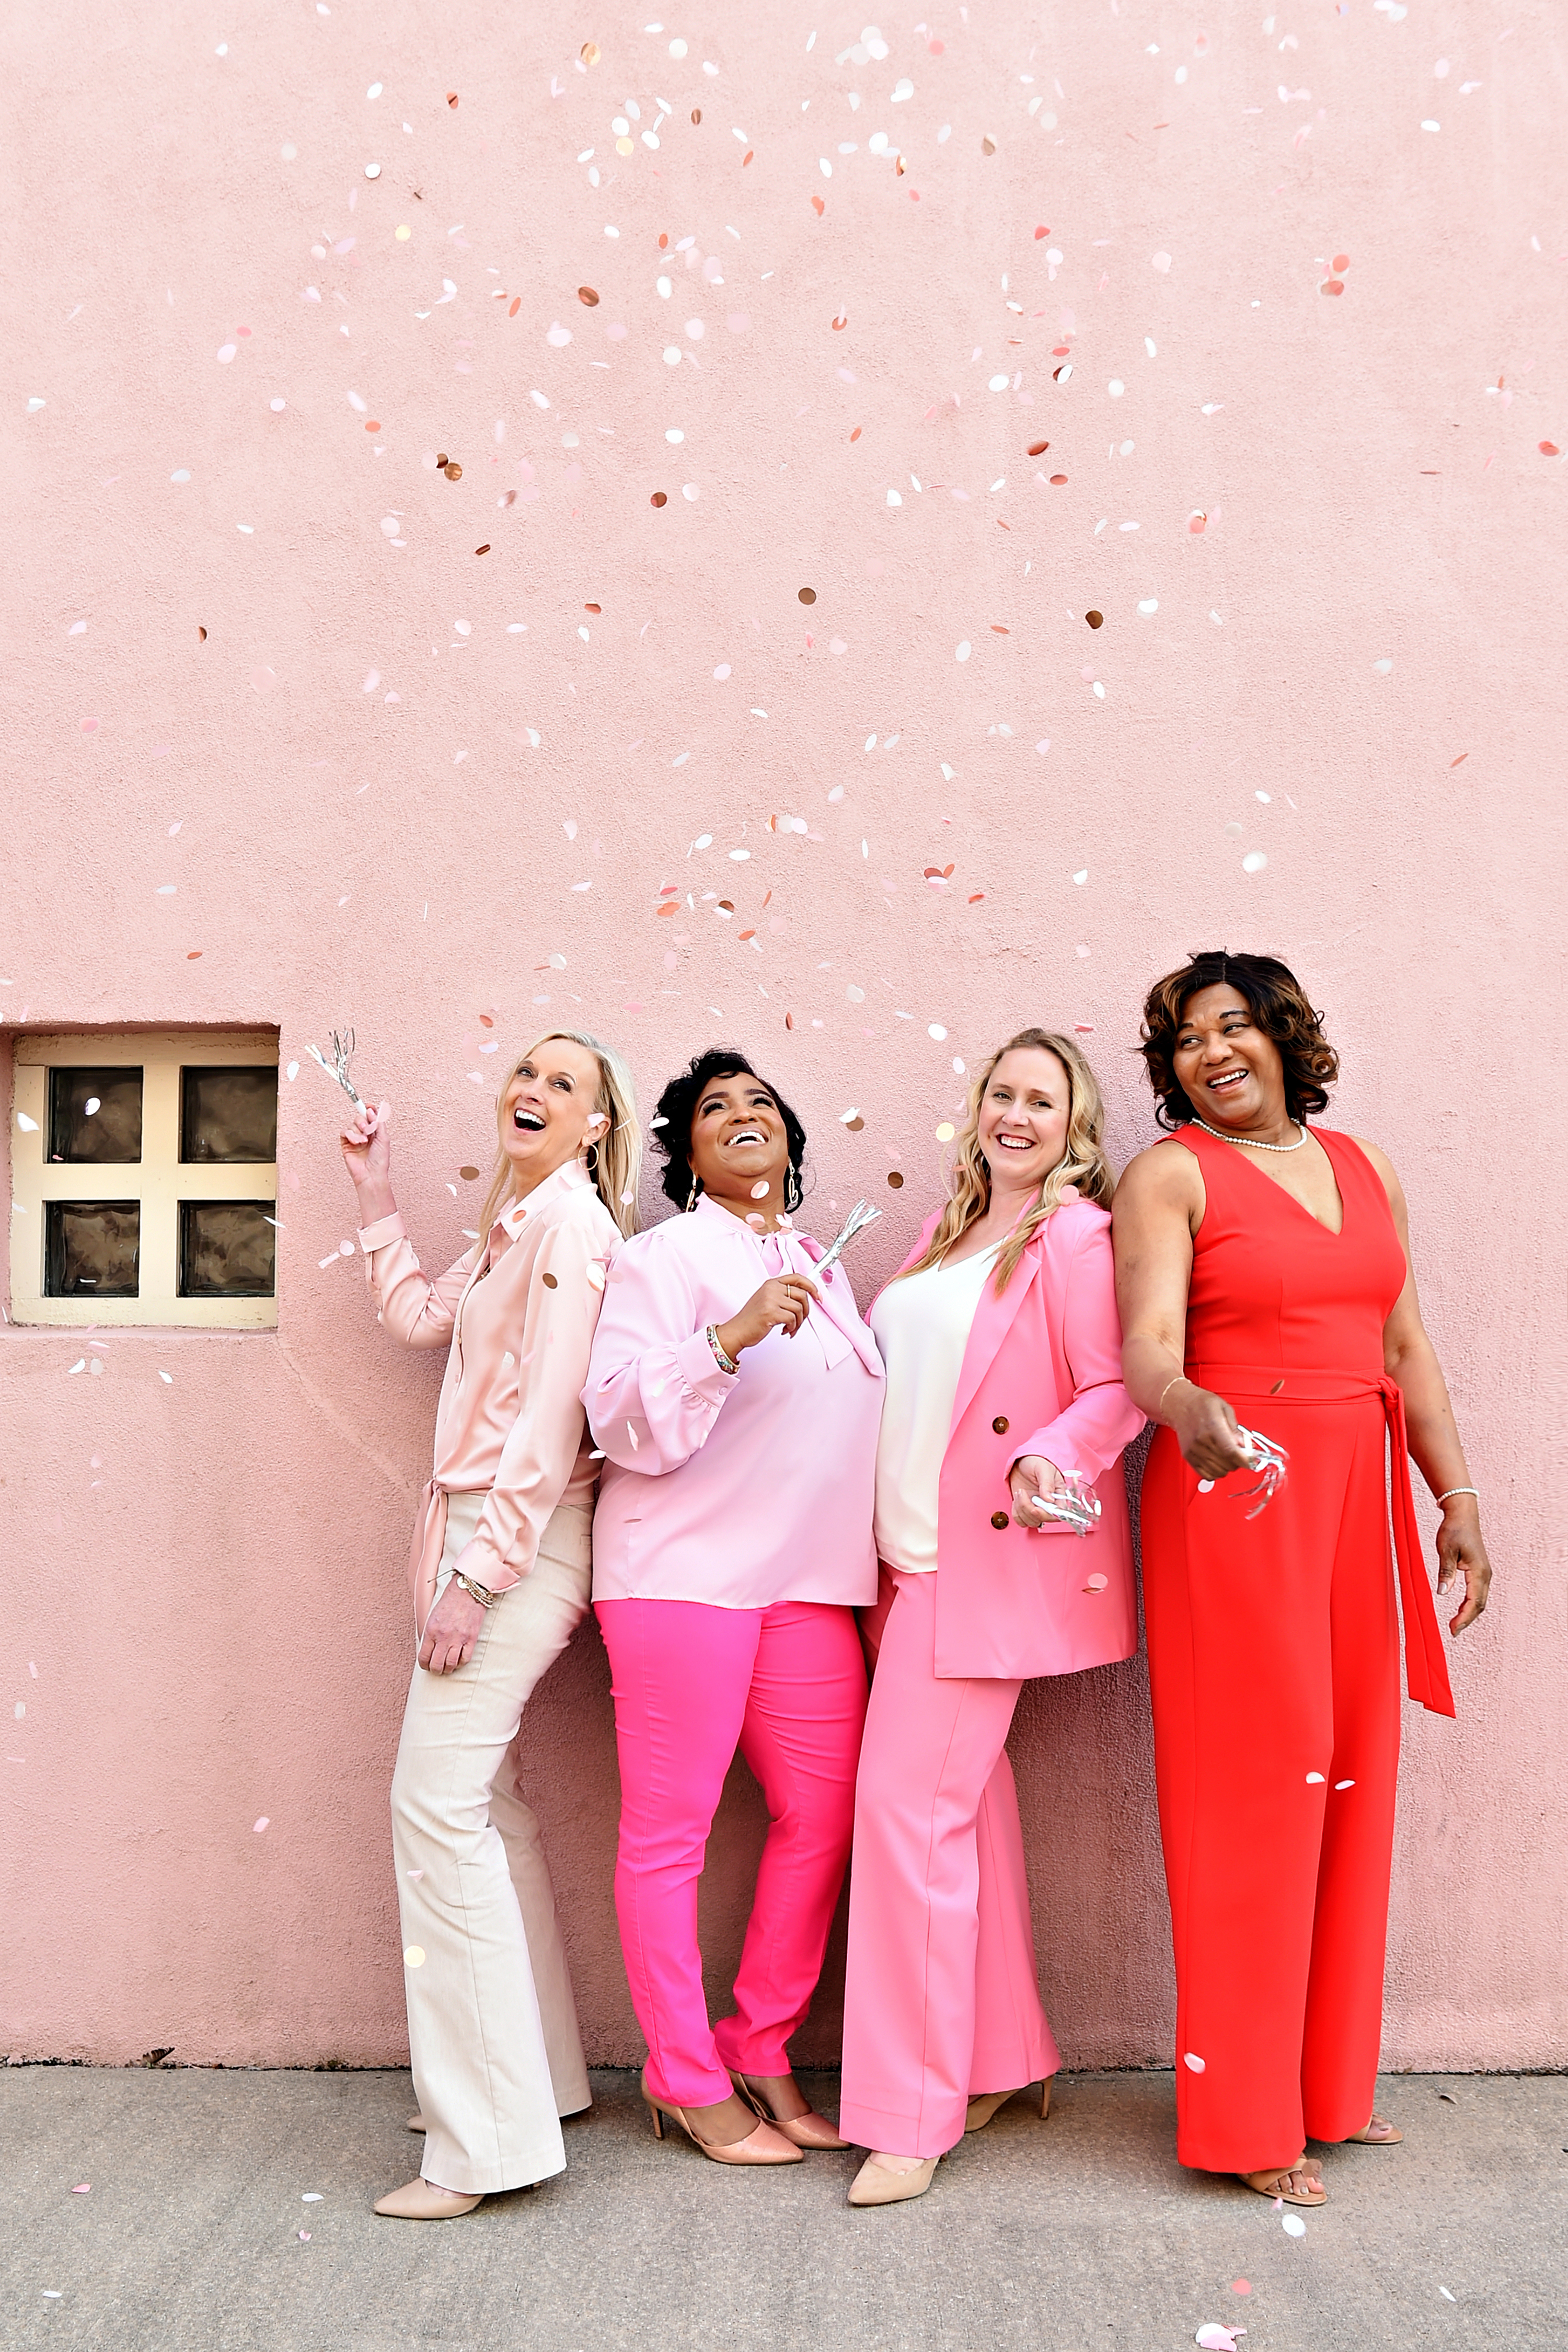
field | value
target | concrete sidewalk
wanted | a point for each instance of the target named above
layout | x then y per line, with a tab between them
1079	2234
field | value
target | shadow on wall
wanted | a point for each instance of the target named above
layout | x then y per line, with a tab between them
1083	1757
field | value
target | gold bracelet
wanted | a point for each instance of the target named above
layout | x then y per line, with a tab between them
1170	1384
479	1592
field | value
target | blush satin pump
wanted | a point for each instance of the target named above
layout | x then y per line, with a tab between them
764	2146
808	2131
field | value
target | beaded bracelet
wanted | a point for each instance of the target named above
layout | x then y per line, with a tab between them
1460	1490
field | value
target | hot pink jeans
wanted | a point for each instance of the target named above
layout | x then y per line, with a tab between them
690	1683
941	2000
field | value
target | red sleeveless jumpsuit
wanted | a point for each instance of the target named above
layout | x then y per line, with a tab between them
1274	1665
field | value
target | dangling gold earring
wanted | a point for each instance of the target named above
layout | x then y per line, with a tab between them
691	1196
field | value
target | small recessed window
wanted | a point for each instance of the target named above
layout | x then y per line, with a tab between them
144	1179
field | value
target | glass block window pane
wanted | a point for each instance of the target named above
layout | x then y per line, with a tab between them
228	1249
229	1115
91	1248
95	1116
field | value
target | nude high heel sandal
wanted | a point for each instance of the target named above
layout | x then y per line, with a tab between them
810	2130
1377	2133
991	2102
1292	2184
765	2146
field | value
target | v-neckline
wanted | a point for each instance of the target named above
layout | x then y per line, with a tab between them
1339	1189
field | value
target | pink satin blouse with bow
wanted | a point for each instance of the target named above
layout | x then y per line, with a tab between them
736	1488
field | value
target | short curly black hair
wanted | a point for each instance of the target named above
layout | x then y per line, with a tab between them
1279	1006
677	1108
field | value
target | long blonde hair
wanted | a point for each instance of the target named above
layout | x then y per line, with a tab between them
614	1162
1083	1163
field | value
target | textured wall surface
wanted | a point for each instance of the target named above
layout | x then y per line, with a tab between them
1307	281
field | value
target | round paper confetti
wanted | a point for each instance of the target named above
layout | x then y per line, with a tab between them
1195	2064
414	1955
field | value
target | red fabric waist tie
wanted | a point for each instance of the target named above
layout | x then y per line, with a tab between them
1426	1668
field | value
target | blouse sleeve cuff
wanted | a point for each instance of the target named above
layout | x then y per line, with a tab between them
701	1371
384	1230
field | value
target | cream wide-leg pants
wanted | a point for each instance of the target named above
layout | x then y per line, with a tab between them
493	2027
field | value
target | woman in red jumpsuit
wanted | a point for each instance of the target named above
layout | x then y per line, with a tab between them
1264	1282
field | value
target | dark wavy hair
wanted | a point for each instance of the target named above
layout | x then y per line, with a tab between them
1279	1006
678	1108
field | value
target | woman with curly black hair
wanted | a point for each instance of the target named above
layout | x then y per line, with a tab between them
1264	1279
736	1396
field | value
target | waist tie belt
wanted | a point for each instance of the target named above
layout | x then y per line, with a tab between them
1426	1668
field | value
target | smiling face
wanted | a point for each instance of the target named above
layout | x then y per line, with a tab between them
738	1142
1228	1070
549	1111
1024	1116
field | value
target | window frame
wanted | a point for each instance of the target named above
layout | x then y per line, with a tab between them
160	1180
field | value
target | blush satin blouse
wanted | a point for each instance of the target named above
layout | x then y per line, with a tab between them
744	1488
517	1312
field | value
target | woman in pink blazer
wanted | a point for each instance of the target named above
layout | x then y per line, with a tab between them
1003	1352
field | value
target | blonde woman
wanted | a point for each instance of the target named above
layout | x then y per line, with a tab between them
501	1571
1004	1379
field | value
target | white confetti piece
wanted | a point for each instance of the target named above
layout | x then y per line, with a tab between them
414	1955
1194	2064
960	651
264	1823
1292	2225
1315	1781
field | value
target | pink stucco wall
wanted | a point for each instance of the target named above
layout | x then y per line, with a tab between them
397	807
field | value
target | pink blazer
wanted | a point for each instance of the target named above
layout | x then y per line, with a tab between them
1042	1374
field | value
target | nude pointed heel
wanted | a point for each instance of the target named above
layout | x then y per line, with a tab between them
415	2122
765	2146
876	2184
809	2131
991	2102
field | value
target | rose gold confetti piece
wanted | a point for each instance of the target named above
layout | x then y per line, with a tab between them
840	322
896	1181
1454	763
468	1175
453	471
1038	448
590	53
592	608
805	595
789	1020
856	435
1095	620
1340	261
1039	233
659	498
988	145
201	633
483	550
550	1282
451	98
1549	449
1196	523
697	114
1058	479
998	631
192	955
586	294
818	206
975	897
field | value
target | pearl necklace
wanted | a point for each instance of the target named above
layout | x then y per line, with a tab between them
1250	1142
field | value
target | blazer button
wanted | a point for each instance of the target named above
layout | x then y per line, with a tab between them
1000	1424
999	1518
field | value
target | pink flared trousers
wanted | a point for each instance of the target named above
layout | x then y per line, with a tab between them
942	2000
690	1683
